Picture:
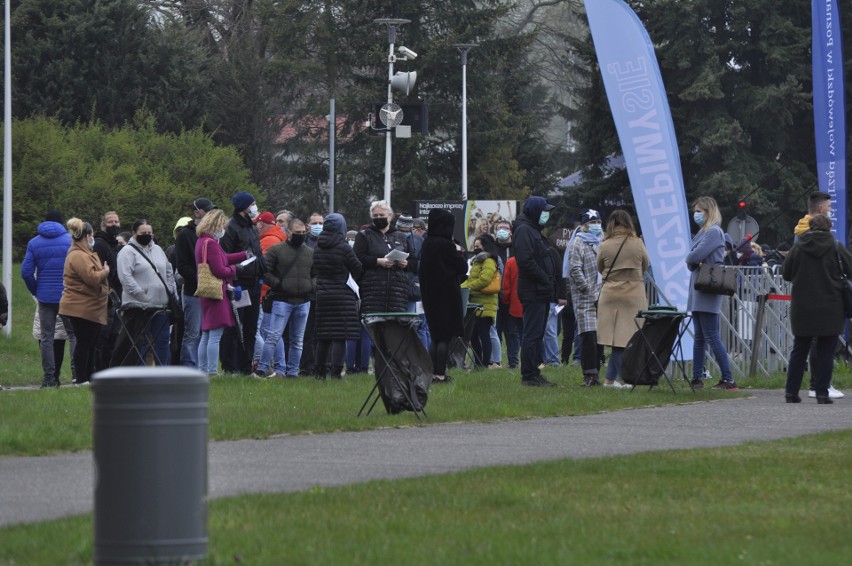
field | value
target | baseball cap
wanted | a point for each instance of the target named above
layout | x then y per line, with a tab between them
265	217
204	204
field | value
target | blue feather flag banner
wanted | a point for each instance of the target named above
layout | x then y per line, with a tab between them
830	109
637	98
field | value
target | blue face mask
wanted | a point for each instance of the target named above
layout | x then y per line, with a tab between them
699	218
502	234
595	229
545	216
316	229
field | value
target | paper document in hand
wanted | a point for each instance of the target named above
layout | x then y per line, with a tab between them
397	255
248	261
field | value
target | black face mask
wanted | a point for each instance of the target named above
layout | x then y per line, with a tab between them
143	239
296	240
380	223
113	230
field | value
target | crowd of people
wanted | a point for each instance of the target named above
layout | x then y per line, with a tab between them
270	295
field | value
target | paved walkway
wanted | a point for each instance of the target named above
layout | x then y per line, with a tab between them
40	488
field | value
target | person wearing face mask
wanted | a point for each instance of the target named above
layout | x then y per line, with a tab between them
708	246
143	268
270	233
240	236
314	227
42	271
584	285
385	285
291	280
216	314
107	246
84	300
537	281
483	269
337	304
503	237
185	243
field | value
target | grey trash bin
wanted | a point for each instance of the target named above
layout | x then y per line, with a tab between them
150	459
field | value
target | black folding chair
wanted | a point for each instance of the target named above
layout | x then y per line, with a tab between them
136	331
647	354
403	368
460	349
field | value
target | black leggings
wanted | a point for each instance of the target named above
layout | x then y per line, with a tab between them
438	351
330	353
87	333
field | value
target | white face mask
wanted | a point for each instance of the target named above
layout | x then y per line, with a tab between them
545	216
219	235
91	244
351	243
252	211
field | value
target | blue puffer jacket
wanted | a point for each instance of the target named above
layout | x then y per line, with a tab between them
44	263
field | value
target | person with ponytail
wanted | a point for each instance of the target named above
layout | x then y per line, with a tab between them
84	300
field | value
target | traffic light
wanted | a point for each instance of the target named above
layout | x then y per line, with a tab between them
741	210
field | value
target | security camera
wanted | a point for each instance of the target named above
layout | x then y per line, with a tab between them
407	52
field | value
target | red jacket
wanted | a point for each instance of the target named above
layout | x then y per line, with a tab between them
510	288
274	235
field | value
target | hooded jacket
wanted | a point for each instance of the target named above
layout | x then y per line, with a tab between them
537	276
44	262
816	307
442	269
337	304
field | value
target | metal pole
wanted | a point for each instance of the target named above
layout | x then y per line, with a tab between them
332	132
7	166
392	24
463	49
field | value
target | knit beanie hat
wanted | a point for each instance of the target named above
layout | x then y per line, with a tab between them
54	216
242	200
404	222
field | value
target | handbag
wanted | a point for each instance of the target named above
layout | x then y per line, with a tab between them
716	279
209	286
609	271
846	289
493	286
175	306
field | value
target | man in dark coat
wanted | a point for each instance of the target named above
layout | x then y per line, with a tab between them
240	236
187	268
106	246
442	270
537	281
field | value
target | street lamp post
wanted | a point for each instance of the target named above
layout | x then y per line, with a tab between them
393	24
463	49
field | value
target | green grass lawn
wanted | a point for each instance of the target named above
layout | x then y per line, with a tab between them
780	502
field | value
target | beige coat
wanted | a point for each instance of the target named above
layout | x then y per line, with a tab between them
86	287
623	294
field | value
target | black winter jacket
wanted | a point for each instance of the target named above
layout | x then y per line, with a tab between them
240	236
292	283
383	290
106	246
537	274
185	258
337	304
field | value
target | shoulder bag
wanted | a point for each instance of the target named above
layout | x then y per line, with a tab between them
493	286
209	286
846	289
175	308
716	279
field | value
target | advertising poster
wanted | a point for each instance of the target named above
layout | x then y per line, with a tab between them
457	207
483	215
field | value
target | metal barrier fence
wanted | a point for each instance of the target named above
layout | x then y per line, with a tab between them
754	322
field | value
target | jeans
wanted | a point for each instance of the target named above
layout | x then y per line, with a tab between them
550	346
47	313
514	330
822	363
259	339
294	317
208	350
306	365
613	367
358	353
535	320
706	327
191	331
496	352
278	360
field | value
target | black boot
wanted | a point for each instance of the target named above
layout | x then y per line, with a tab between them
321	371
792	398
336	371
824	400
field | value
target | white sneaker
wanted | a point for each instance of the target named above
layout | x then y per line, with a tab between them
616	385
832	393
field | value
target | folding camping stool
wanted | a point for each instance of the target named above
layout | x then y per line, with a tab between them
139	336
403	369
647	354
